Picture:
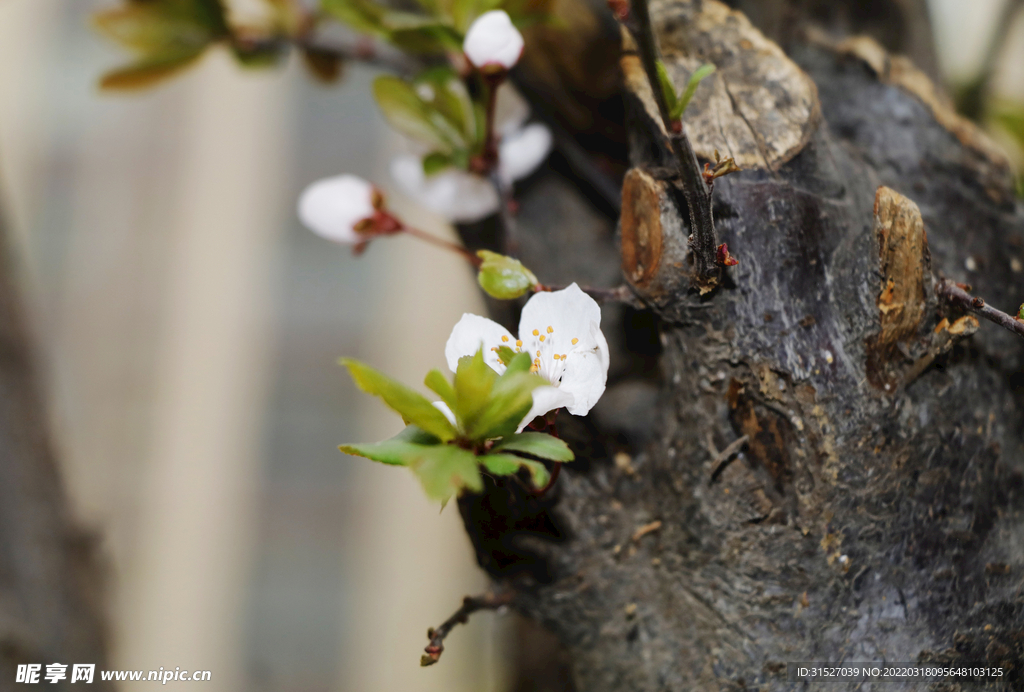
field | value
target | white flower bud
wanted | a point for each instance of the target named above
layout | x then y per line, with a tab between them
332	207
492	40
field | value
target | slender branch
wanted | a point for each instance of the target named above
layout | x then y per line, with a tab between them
367	52
556	468
620	294
442	243
955	295
703	240
470	605
725	457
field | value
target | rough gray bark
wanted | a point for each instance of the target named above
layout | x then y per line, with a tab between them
875	513
50	605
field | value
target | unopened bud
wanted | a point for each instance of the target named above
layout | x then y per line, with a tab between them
492	42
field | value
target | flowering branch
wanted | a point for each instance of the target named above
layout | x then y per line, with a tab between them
954	294
695	190
470	605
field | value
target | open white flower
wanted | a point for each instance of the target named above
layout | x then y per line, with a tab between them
492	41
561	330
335	207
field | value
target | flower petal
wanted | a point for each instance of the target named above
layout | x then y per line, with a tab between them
469	334
524	150
457	195
443	408
569	311
586	374
510	111
493	40
332	206
545	399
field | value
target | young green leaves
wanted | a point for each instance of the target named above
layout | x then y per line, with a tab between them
166	35
502	277
474	424
677	103
434	109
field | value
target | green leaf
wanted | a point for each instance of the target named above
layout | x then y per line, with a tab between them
474	380
520	362
510	400
505	355
1020	312
668	89
413	407
445	470
410	115
164	26
502	277
148	71
691	88
365	17
507	464
538	444
435	162
450	98
440	385
404	449
260	56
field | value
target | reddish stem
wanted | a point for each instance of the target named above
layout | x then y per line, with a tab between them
440	242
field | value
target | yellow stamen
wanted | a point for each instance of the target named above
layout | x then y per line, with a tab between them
519	343
538	353
504	339
550	329
575	341
542	337
558	357
535	332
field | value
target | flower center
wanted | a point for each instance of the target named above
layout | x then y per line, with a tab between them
550	351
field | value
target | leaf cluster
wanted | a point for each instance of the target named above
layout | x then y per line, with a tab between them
438	28
677	103
167	36
436	109
487	408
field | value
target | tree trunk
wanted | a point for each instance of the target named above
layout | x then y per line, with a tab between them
50	601
874	510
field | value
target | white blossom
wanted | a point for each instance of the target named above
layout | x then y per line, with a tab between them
492	40
561	330
458	195
464	197
333	207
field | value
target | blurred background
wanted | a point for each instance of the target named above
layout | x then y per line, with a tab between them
188	330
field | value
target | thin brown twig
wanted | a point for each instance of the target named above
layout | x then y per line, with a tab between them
957	296
725	457
704	240
620	294
442	243
470	605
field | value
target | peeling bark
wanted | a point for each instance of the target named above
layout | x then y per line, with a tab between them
875	510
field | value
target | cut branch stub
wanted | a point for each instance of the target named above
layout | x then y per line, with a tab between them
654	248
758	107
904	265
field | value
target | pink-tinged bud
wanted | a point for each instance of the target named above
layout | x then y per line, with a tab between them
492	42
345	209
